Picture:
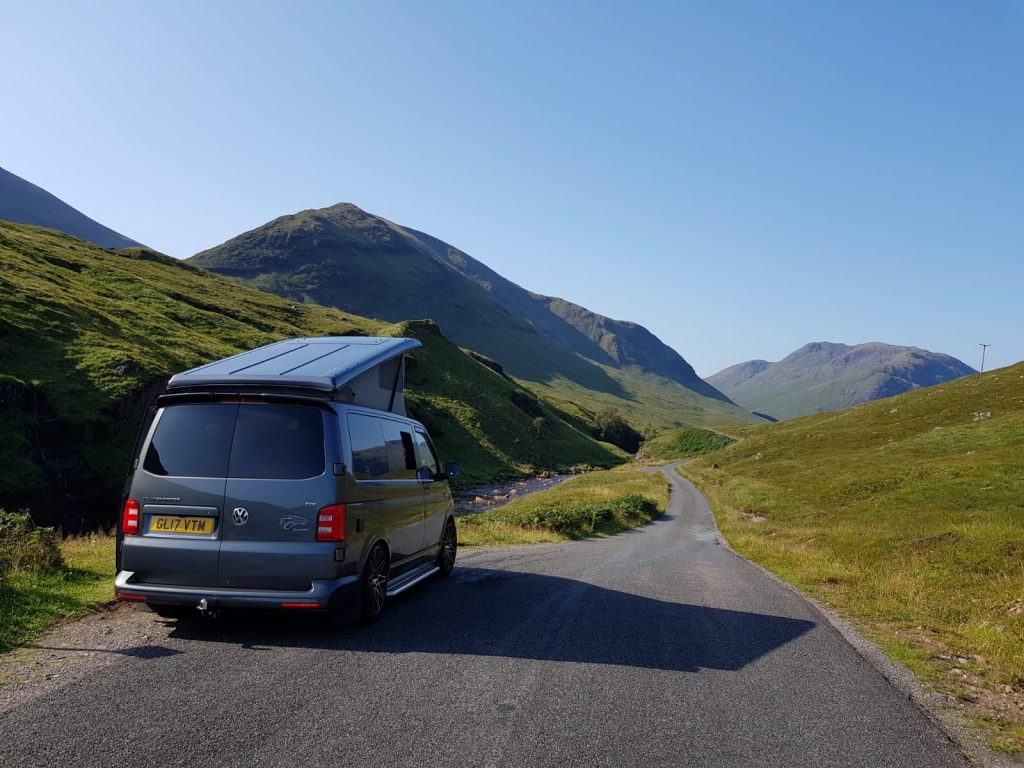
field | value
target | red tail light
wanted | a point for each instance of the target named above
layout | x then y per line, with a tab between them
330	523
130	518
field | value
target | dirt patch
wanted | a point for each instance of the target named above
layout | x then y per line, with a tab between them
74	650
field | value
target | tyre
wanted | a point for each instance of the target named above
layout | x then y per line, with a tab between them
375	583
449	548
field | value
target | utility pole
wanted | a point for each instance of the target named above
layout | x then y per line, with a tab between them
983	348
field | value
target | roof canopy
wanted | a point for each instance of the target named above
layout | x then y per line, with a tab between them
364	370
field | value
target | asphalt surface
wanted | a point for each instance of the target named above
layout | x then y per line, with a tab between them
655	647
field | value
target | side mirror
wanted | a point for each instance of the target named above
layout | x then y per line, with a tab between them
452	469
424	475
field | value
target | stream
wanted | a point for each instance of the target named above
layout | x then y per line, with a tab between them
480	498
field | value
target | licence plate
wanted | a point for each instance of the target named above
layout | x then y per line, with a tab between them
173	524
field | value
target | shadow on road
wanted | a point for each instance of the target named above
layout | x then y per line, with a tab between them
484	612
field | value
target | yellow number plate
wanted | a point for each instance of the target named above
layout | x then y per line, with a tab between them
172	524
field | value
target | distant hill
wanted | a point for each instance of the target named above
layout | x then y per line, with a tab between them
24	203
88	337
822	376
345	257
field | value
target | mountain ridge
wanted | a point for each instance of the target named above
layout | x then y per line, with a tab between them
824	376
23	202
345	257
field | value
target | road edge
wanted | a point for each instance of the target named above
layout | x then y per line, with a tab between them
950	722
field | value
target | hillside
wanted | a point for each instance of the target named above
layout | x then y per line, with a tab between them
347	258
822	376
88	336
25	203
906	515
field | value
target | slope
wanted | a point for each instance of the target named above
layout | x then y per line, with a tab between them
823	376
88	336
344	257
25	203
906	514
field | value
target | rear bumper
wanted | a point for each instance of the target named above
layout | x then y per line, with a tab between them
340	594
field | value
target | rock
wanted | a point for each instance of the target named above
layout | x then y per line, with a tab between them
982	415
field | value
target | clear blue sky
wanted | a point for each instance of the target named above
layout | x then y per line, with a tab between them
741	178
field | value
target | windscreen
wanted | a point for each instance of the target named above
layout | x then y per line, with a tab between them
257	440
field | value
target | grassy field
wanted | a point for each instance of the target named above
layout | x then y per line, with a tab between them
595	503
31	602
907	515
684	443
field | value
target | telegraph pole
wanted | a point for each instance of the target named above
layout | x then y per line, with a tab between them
983	348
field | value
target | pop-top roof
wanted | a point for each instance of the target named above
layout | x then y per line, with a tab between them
326	364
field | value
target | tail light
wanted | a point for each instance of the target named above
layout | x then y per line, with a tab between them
330	523
130	518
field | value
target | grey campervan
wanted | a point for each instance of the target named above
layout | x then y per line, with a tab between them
286	477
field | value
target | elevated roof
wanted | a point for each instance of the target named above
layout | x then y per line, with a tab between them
325	363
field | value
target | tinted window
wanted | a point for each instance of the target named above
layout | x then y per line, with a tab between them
192	441
425	454
401	459
369	453
280	442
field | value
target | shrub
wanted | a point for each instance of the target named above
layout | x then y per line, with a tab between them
25	547
578	518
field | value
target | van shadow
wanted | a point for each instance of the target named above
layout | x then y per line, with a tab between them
485	612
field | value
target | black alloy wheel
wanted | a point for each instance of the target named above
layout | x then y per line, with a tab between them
449	548
375	583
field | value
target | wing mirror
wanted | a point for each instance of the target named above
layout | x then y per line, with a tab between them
424	475
452	469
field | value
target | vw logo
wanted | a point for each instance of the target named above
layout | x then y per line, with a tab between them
240	515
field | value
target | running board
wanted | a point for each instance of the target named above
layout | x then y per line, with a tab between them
413	578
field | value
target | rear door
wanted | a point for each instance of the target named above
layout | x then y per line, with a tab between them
278	479
179	486
385	471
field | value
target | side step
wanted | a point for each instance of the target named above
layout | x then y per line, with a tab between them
412	578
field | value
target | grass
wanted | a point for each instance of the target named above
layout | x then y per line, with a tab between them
907	515
88	336
31	602
684	443
596	503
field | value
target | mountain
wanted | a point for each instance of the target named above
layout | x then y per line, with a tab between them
823	376
25	203
89	336
347	258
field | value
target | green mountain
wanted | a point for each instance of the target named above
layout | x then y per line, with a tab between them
346	258
88	337
25	203
822	376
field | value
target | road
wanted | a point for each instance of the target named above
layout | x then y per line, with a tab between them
655	647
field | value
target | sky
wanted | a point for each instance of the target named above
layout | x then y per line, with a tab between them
739	177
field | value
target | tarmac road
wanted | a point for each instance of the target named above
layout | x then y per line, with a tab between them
655	647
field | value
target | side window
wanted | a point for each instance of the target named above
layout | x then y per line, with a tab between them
425	456
401	456
369	452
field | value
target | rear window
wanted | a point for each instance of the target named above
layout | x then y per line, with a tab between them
272	441
192	441
280	442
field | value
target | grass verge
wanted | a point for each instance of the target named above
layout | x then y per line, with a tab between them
31	602
905	515
596	503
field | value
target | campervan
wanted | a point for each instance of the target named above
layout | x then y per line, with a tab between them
285	478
